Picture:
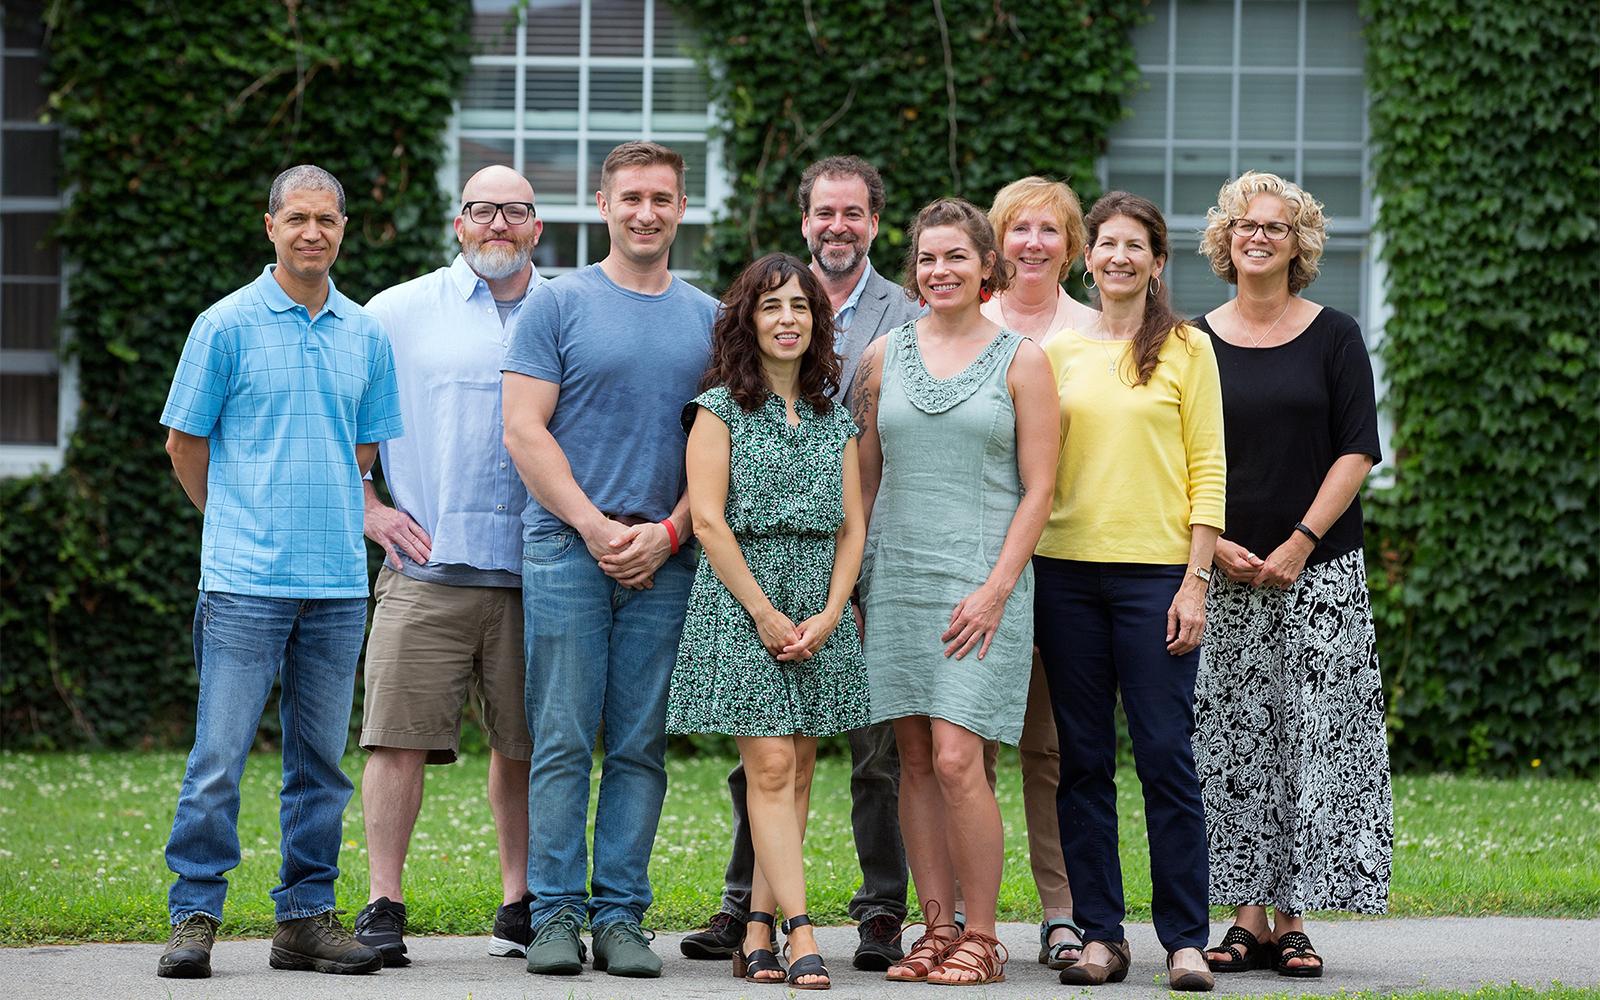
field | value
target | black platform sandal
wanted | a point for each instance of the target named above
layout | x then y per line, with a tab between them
1258	955
759	960
1293	945
805	965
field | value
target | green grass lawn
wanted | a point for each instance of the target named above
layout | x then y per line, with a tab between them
81	838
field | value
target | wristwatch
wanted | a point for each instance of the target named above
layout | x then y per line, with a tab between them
1204	573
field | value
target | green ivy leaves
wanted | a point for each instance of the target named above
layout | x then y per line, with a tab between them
179	116
1036	88
1483	553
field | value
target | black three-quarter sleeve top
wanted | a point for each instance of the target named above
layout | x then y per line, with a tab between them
1288	412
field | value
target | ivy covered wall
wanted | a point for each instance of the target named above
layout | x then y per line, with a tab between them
945	97
1486	135
1482	554
179	115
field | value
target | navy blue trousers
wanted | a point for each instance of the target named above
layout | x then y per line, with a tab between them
1101	628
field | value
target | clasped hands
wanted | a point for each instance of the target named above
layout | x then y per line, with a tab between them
628	553
1279	570
788	642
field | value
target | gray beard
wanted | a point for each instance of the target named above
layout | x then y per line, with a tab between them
493	265
856	257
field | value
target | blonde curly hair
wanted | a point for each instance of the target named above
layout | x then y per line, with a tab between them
1309	225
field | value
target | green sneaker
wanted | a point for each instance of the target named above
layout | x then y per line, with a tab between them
621	948
556	950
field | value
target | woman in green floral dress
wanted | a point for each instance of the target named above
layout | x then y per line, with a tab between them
769	653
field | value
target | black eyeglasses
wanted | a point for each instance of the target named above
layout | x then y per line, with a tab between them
483	212
1246	228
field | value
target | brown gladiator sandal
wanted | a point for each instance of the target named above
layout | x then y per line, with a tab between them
986	960
928	952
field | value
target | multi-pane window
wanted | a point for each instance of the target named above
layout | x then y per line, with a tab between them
1235	85
555	84
35	393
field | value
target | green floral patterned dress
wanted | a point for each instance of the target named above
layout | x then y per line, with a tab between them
785	503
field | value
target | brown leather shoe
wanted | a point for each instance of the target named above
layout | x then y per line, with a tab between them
1187	980
1084	973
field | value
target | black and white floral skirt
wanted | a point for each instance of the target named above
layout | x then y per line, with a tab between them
1290	747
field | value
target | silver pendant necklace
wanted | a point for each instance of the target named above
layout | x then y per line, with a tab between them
1274	326
1103	338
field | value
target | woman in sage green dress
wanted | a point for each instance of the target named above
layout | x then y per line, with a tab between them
958	451
769	654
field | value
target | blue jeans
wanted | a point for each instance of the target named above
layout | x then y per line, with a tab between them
598	655
241	645
1101	630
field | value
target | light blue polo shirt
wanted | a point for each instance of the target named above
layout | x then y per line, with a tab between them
284	399
451	472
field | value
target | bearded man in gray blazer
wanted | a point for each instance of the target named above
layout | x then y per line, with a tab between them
841	198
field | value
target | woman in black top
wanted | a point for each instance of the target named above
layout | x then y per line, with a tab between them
1289	741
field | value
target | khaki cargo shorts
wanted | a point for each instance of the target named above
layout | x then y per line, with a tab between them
432	646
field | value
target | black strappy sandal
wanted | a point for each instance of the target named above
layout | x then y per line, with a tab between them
1258	955
1292	945
805	965
760	959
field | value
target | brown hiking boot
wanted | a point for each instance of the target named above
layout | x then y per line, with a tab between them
321	944
188	952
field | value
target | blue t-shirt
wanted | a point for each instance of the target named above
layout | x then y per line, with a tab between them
626	363
284	399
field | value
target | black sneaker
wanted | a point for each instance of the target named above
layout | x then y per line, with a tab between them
880	943
512	933
321	944
381	925
719	940
188	953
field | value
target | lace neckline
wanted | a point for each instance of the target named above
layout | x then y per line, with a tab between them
936	395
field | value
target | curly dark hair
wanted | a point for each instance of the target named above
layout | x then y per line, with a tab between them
735	356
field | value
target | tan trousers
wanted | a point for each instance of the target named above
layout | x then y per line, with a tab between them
1041	772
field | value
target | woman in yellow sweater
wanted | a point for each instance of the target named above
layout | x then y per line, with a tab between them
1121	575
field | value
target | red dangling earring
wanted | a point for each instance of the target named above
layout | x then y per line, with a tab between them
921	301
984	295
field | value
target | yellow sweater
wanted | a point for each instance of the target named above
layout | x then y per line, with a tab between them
1139	464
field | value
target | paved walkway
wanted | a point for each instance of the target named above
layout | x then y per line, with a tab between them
1383	955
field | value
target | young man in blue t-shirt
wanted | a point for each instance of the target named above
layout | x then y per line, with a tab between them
599	368
283	392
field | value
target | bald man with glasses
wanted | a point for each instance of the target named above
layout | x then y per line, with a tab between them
448	622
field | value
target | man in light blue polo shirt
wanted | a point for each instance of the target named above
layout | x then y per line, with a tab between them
284	389
448	621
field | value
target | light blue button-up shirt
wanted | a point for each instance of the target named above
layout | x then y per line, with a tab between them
451	472
847	312
283	399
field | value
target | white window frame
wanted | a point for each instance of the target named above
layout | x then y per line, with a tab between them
27	459
584	213
1344	234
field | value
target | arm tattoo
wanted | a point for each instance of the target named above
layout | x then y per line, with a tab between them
861	395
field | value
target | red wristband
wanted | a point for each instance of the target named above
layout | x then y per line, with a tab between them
672	534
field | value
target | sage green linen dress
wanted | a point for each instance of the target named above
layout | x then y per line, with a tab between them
785	504
950	487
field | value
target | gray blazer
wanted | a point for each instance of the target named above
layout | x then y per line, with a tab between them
883	306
